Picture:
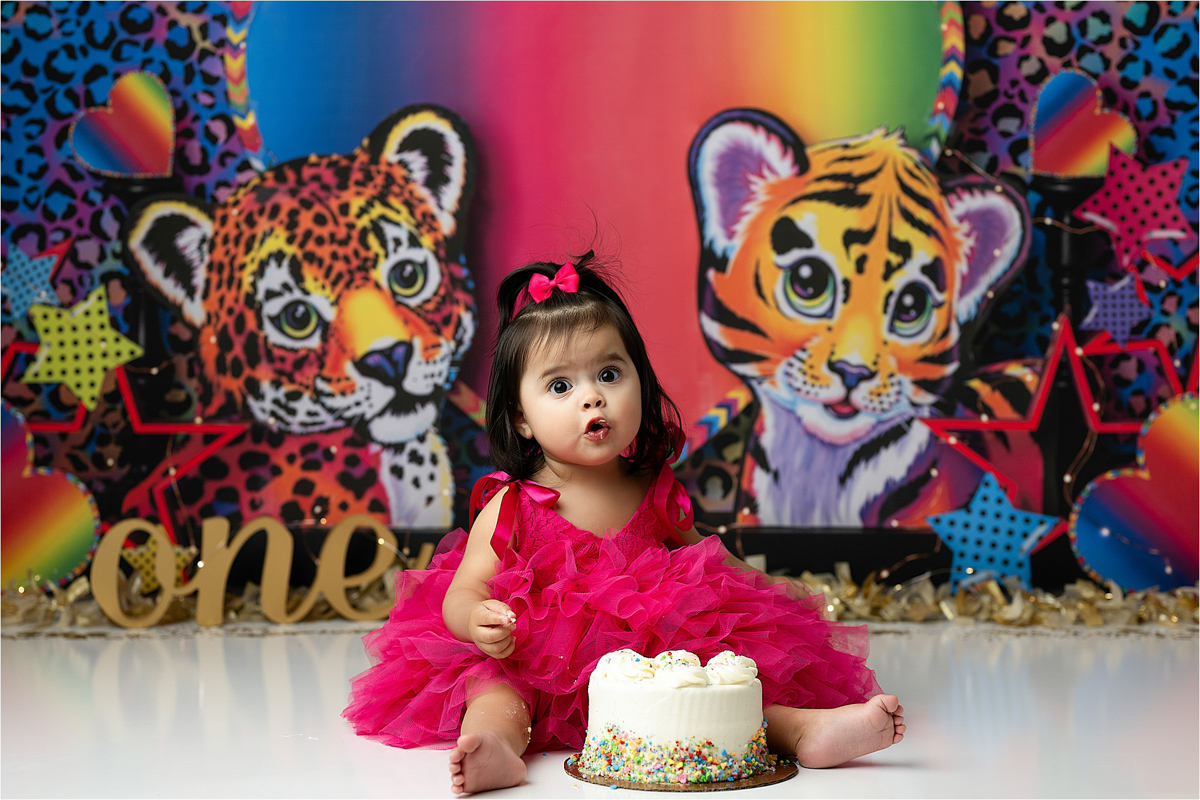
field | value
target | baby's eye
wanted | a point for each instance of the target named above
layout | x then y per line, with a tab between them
609	374
559	386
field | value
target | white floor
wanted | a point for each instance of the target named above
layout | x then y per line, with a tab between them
253	711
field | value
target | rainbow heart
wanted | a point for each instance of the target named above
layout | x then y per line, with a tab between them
134	135
1071	132
48	520
1140	527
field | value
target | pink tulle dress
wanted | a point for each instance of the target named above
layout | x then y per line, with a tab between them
578	596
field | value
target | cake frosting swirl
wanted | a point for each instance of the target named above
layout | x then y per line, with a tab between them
668	719
624	666
729	669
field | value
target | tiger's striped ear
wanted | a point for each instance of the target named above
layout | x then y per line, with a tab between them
734	154
994	221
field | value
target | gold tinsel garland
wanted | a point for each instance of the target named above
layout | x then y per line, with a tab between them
916	600
1006	603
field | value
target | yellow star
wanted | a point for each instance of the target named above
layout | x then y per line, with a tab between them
78	346
142	558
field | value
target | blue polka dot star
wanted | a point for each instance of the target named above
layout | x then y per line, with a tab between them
990	538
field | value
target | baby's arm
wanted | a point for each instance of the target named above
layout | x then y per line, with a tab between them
469	610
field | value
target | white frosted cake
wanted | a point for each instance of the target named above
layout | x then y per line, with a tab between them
669	720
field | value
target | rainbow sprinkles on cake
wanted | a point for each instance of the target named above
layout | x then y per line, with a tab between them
668	719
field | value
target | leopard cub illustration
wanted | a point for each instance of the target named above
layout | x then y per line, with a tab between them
332	307
835	281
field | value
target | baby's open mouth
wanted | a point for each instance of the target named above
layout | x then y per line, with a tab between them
597	430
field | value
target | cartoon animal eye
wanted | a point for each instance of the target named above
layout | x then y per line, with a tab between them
298	320
559	386
609	374
913	311
406	278
809	287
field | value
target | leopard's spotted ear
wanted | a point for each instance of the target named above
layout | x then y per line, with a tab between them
167	242
735	153
994	220
436	148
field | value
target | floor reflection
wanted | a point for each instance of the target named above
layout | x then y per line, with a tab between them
222	713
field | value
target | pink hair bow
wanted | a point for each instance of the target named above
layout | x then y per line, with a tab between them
566	280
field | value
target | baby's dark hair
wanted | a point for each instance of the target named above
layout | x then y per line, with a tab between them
554	319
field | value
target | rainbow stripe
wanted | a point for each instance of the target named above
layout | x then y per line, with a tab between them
1071	132
237	88
1129	524
717	418
469	403
950	77
583	113
1167	449
134	136
48	520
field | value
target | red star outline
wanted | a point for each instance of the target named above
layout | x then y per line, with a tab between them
1188	266
1062	343
1177	274
1103	345
225	432
71	426
59	251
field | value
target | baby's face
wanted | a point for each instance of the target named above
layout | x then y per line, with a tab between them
581	401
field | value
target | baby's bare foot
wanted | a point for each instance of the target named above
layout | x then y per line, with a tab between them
483	761
832	736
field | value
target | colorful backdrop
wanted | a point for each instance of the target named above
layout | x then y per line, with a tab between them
581	123
583	114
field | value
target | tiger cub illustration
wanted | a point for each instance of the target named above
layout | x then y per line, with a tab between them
331	306
836	281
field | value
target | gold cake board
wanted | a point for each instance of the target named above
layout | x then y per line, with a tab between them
785	768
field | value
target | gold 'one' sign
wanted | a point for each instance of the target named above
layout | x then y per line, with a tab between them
217	552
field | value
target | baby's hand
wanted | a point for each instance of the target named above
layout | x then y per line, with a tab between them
492	624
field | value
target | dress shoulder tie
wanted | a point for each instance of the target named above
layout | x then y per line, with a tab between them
672	504
486	488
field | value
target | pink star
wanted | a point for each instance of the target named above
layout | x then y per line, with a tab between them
1138	204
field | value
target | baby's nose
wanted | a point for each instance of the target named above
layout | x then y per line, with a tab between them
593	401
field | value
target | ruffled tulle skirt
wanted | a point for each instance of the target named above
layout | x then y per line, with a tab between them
574	604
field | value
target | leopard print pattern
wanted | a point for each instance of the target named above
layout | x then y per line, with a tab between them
1143	57
58	60
332	308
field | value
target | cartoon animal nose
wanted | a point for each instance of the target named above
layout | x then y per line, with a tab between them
851	374
386	365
